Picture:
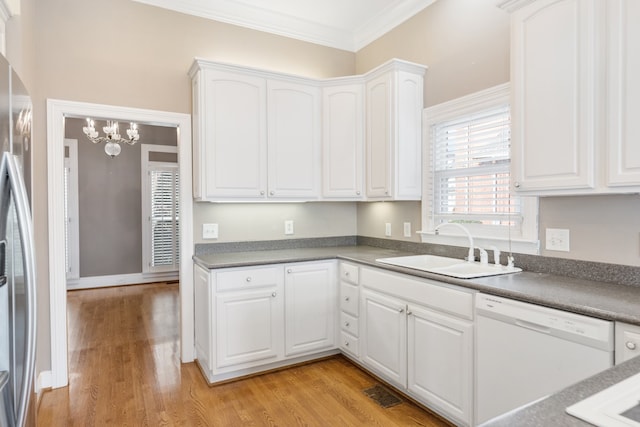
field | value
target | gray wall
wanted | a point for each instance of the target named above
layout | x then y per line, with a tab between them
109	195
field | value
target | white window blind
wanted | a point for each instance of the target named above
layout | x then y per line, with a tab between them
164	219
471	160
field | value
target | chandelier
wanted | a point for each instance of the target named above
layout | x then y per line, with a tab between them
112	139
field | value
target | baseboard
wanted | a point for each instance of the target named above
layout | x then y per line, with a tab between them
119	280
43	382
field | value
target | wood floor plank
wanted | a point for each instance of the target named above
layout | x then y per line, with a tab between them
124	370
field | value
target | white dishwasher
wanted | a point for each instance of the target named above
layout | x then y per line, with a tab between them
525	352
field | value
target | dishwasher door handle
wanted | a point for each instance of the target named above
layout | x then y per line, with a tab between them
533	326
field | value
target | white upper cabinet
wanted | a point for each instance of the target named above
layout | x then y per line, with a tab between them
231	148
260	135
293	112
623	88
343	141
573	94
394	103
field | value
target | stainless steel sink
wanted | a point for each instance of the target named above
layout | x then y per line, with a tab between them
453	267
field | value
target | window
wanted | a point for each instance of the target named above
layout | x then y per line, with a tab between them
467	172
160	211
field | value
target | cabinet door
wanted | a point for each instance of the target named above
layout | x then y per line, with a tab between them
234	139
554	113
378	136
342	145
294	140
202	316
249	326
624	93
310	301
383	345
440	361
408	134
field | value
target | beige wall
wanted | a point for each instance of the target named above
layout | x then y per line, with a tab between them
129	54
465	44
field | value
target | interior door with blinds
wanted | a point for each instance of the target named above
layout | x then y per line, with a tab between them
160	195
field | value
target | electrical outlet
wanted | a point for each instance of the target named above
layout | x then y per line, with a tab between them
209	231
288	226
407	229
387	229
557	239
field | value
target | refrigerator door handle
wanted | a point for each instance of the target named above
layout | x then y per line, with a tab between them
11	183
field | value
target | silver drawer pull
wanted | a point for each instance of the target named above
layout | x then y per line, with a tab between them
289	271
346	343
631	345
401	310
249	279
409	313
346	299
346	274
273	294
346	324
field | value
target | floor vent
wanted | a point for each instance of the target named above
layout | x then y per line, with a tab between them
382	396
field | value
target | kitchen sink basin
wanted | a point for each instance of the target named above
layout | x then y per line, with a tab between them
453	267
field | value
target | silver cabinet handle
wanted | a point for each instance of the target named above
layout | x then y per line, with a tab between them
409	313
273	294
346	343
346	299
346	274
401	310
346	324
289	271
271	193
248	279
517	185
631	345
262	192
358	192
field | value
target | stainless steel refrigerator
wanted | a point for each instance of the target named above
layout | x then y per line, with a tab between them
17	264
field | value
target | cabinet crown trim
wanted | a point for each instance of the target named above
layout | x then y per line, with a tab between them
513	5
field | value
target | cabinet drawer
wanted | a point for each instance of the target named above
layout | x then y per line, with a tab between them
439	296
349	343
247	278
349	298
349	273
349	323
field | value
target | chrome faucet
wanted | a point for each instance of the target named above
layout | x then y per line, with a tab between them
471	257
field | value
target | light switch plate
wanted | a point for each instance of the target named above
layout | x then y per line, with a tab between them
209	231
288	226
387	229
557	239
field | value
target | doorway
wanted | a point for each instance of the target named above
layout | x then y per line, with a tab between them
57	111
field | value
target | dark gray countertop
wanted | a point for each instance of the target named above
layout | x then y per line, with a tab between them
598	299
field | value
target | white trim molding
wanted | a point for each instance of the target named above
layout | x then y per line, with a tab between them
57	110
94	282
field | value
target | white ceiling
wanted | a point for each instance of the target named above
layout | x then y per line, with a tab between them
343	24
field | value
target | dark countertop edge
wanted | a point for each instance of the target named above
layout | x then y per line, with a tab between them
367	255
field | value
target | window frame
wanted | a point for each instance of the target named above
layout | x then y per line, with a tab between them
524	241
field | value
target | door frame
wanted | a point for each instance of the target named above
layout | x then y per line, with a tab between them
57	110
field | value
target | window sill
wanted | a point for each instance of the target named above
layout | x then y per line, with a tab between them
521	246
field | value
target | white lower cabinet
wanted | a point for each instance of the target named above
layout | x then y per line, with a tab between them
417	334
310	295
384	338
440	354
627	341
252	319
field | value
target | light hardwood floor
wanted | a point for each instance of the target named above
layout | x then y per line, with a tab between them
125	371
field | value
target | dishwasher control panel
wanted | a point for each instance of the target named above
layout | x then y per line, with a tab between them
589	330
